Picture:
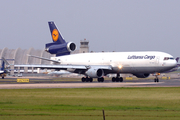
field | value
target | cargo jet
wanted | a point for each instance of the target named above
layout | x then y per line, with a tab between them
97	65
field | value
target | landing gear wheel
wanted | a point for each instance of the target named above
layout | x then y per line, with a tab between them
101	79
156	80
83	79
91	79
117	79
87	79
121	79
113	79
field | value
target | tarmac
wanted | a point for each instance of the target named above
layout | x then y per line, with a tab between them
49	83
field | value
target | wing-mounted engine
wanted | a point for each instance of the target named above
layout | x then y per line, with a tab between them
142	75
95	73
60	49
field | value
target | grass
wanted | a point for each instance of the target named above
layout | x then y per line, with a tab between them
87	103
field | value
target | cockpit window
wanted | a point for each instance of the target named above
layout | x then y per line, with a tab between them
171	58
168	58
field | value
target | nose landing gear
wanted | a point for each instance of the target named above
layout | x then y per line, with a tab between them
156	79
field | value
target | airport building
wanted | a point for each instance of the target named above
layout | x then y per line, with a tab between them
84	47
20	56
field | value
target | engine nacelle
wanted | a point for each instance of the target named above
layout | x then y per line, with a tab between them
60	49
142	75
94	73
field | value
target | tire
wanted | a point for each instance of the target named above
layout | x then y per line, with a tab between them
87	79
117	79
121	79
102	79
98	79
83	79
113	79
91	79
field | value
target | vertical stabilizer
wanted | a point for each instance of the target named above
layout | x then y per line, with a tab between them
56	36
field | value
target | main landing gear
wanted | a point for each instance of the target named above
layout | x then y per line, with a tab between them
87	79
117	78
100	79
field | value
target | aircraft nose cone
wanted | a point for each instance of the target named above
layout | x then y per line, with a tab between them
174	63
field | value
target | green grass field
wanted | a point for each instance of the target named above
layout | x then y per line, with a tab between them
87	103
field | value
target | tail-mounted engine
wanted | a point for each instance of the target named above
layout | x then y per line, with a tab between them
60	49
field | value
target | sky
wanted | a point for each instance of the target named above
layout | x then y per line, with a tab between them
108	25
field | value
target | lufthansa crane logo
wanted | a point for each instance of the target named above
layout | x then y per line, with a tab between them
55	35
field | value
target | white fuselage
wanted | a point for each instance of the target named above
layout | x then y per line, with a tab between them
123	62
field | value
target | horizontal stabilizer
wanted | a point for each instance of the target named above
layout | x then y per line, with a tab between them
44	58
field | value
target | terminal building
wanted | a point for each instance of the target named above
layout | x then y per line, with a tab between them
20	56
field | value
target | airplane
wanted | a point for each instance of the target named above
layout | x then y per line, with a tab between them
3	72
97	65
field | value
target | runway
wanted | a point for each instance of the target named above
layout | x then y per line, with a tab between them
106	84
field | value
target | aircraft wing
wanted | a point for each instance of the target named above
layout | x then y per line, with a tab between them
44	58
54	66
82	67
64	67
